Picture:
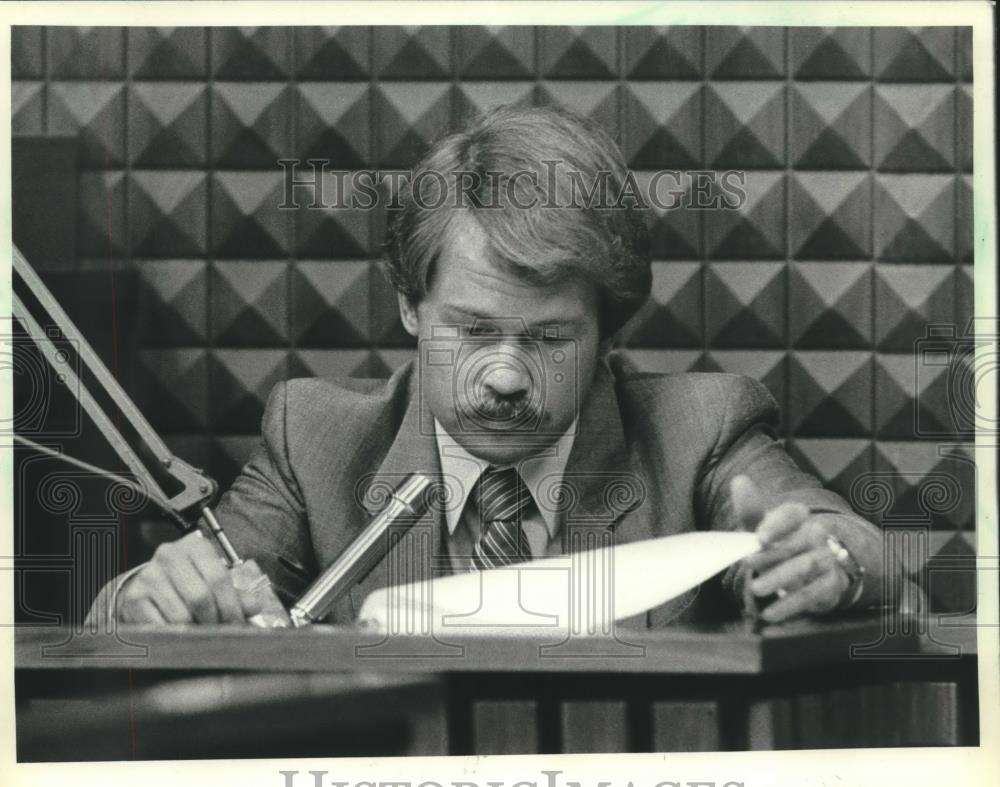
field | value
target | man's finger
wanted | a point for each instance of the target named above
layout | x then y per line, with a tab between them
820	595
809	535
157	588
216	576
748	503
190	586
781	521
793	573
141	610
775	554
200	549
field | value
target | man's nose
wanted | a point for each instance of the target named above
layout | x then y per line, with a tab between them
508	381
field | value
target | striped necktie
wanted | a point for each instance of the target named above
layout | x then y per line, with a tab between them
502	496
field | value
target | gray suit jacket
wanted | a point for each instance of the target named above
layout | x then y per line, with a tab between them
673	442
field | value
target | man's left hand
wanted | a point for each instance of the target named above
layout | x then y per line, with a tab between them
796	563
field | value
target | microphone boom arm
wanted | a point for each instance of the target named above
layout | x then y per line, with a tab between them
196	488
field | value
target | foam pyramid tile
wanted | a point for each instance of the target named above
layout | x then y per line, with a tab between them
195	449
667	361
756	230
495	52
253	53
100	223
174	299
167	213
744	303
86	52
421	52
911	398
745	52
830	394
765	366
595	100
411	116
385	362
915	128
387	329
831	125
745	124
672	317
166	52
93	112
578	52
675	230
246	219
831	215
334	124
229	454
830	305
910	297
26	107
663	52
837	463
663	125
965	53
964	229
26	51
176	379
952	571
249	304
239	383
337	231
331	304
931	483
330	364
964	148
964	291
914	217
475	98
914	54
957	362
166	124
831	52
333	53
250	126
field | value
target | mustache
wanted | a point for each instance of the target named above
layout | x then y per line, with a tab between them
496	409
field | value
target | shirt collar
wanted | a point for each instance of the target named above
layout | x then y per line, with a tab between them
540	473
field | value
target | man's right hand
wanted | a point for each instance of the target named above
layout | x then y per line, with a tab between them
185	582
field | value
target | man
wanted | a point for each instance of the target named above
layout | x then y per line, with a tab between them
518	255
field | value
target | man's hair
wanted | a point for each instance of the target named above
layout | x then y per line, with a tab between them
569	211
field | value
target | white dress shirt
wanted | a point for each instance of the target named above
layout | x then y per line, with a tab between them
540	473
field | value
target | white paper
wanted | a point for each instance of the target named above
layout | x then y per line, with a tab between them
583	592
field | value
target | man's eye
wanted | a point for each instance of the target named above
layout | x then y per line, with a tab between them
480	329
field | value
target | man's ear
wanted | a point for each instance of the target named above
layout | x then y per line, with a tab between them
408	315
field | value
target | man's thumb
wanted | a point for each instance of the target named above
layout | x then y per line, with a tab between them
748	502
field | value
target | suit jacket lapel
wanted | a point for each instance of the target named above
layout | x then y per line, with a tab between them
605	479
419	553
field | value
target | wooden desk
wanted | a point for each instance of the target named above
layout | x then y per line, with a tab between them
801	685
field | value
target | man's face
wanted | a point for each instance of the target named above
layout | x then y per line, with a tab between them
504	362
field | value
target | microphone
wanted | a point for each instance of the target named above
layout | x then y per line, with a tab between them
406	505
